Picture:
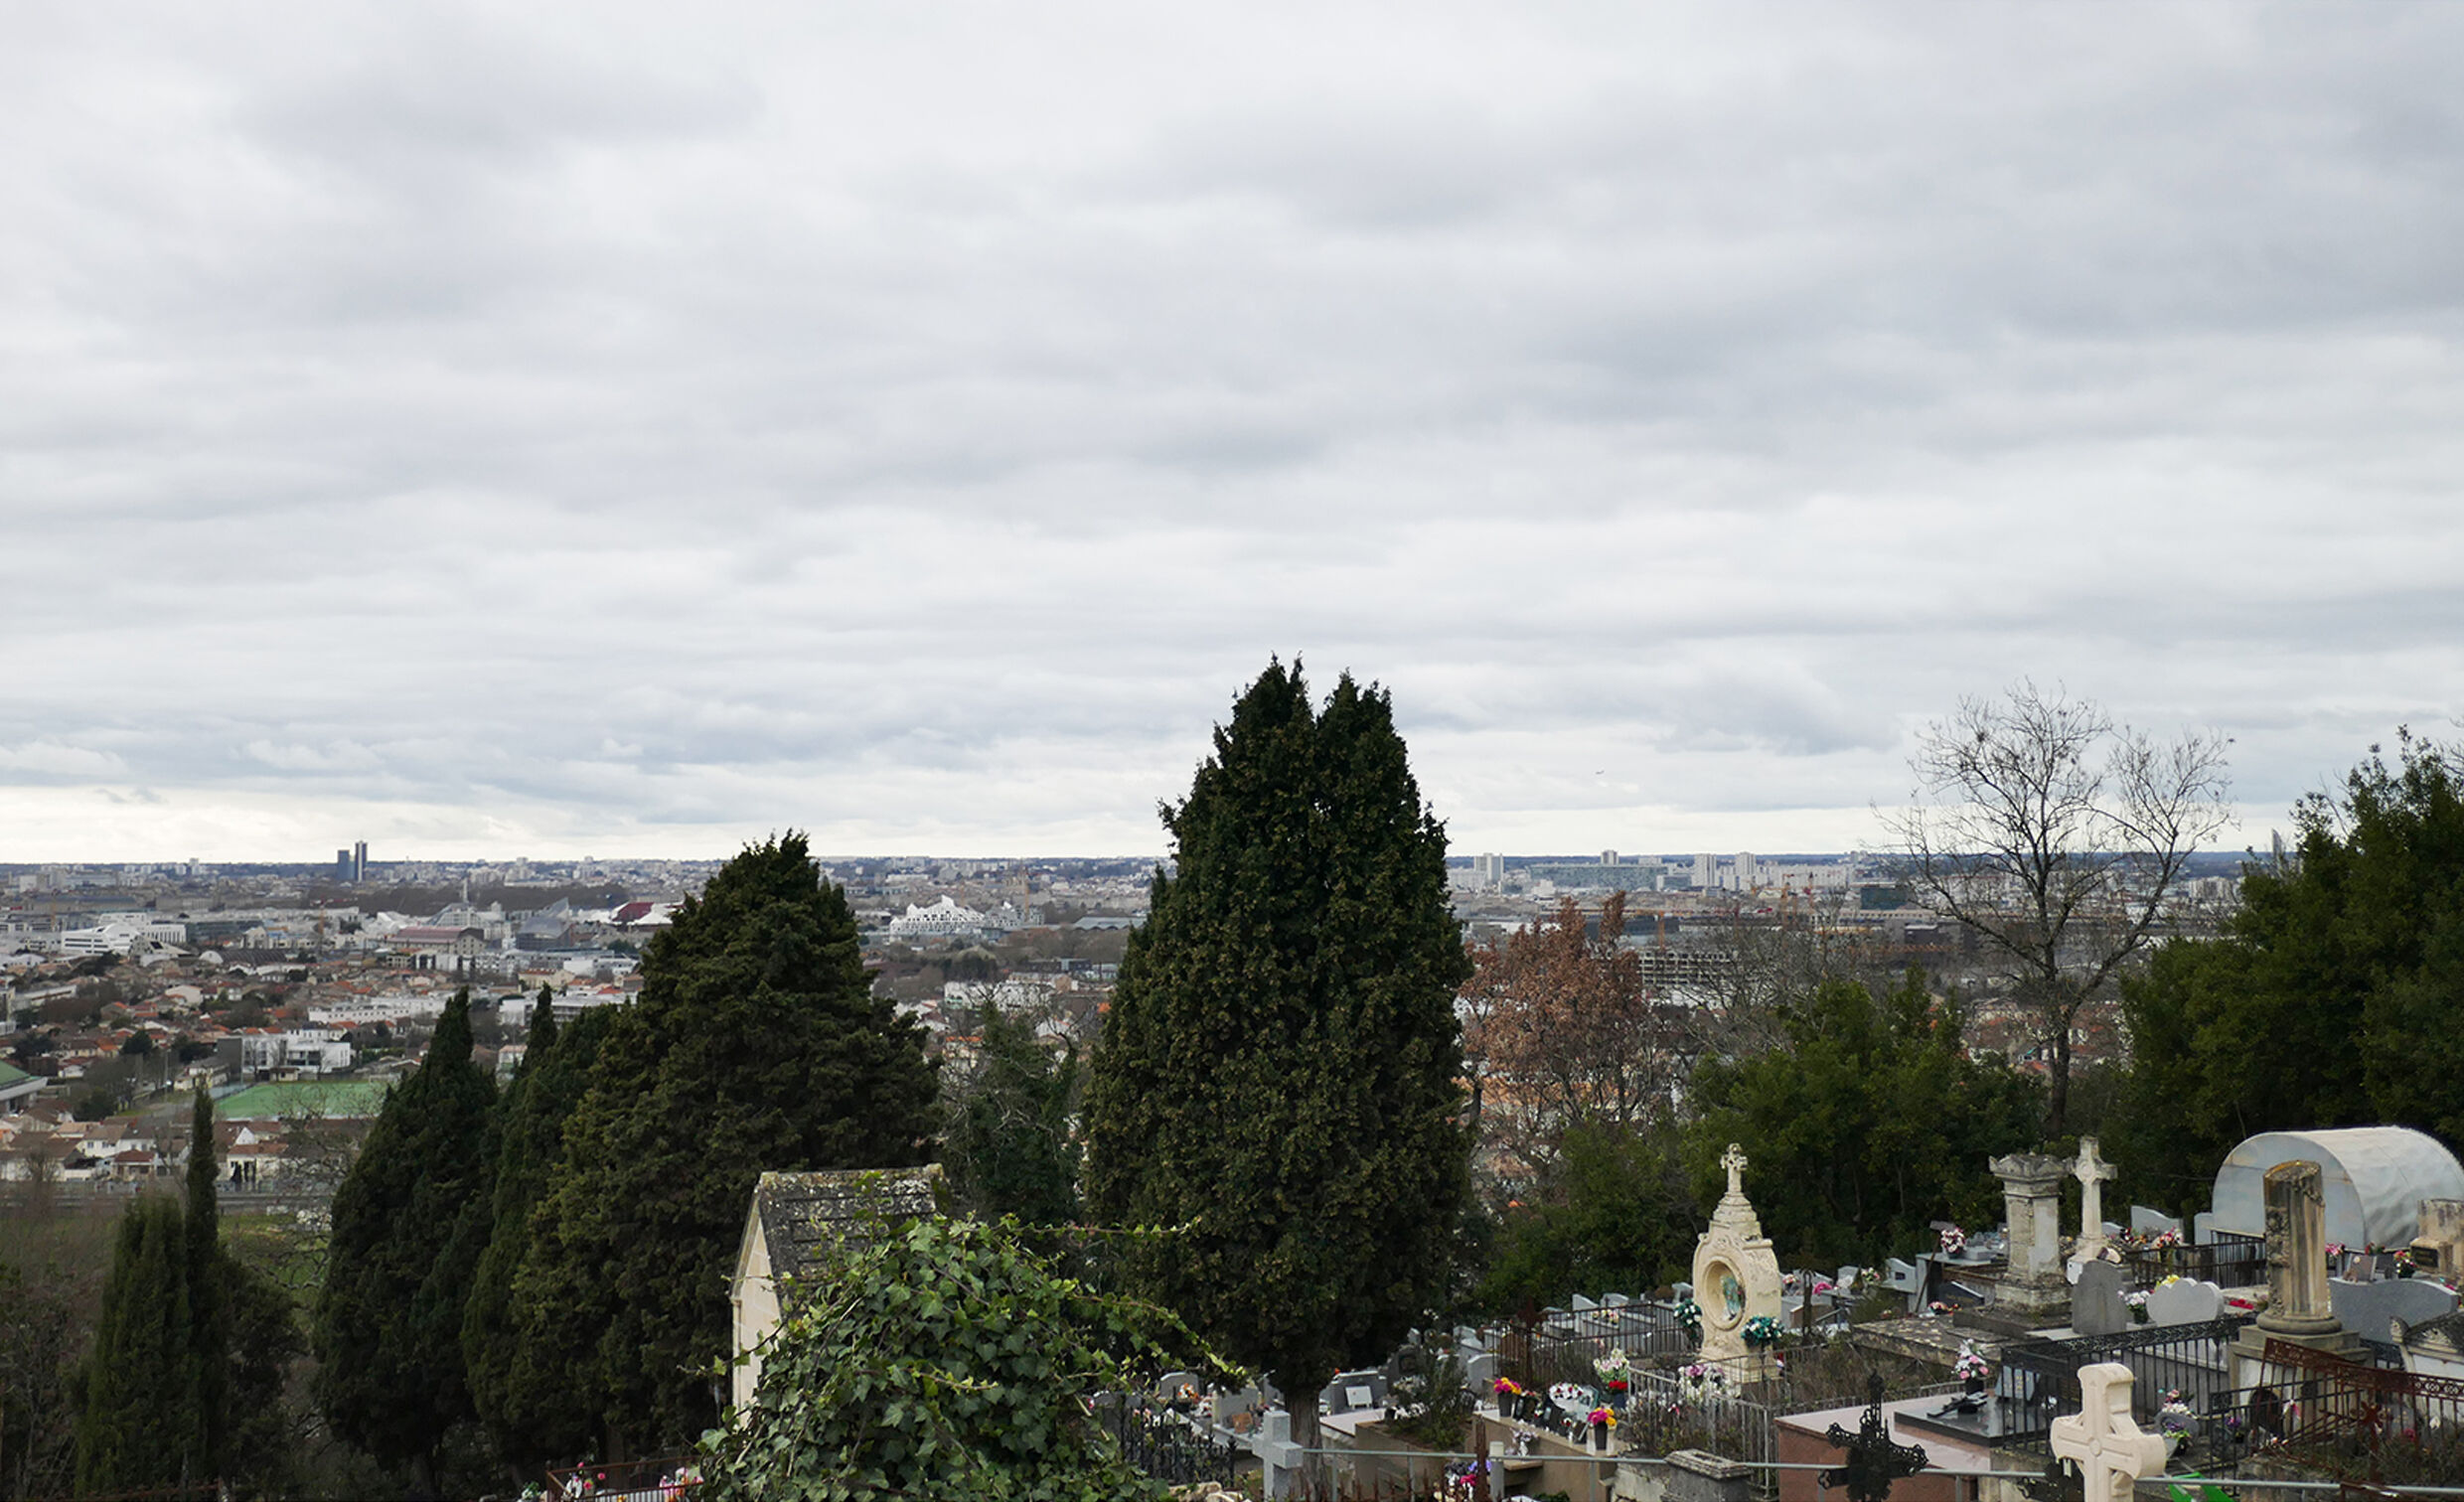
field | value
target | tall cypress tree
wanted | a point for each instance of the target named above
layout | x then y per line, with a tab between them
389	1321
207	1307
756	1044
1279	1072
527	1390
139	1428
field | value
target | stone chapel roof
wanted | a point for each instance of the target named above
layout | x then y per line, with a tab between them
807	1218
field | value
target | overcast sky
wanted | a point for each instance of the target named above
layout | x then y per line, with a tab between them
588	429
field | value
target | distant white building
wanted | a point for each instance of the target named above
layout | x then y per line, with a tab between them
310	1050
945	919
118	933
360	1012
1017	994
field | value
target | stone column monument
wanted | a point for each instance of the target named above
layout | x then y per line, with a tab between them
2297	1305
2031	1285
1736	1274
2091	1172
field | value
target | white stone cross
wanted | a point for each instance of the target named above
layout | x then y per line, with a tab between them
2110	1450
1733	1160
2091	1172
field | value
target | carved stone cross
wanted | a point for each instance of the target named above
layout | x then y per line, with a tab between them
2111	1450
2091	1172
1733	1160
1874	1461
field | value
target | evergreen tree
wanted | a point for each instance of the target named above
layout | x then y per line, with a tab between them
1011	1152
389	1321
528	1388
2333	997
209	1320
1280	1077
756	1044
139	1428
1871	1123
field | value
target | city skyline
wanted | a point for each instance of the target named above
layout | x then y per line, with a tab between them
604	431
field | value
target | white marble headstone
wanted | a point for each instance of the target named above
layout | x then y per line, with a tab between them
2189	1301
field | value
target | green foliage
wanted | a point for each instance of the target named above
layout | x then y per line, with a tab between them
1011	1152
406	1242
140	1426
527	1389
208	1281
1280	1077
2335	996
40	1380
1618	1212
756	1044
944	1360
262	1338
1871	1123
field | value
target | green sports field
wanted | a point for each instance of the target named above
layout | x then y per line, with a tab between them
333	1098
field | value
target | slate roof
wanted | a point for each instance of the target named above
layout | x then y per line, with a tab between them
806	1217
2446	1331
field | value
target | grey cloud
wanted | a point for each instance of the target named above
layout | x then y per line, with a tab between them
593	420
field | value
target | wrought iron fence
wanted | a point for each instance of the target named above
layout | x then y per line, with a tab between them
653	1480
1568	1347
2039	1379
2231	1260
1169	1447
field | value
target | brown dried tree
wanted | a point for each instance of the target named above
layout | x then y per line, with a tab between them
1558	1034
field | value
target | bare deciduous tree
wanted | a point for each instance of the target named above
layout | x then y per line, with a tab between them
1560	1034
2056	836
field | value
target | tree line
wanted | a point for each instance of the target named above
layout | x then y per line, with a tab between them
1315	1119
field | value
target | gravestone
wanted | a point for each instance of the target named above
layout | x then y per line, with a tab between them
2146	1221
2032	1281
2438	1246
2367	1308
2188	1302
1737	1272
2096	1306
2091	1172
1480	1373
2297	1309
2109	1449
1278	1454
1902	1276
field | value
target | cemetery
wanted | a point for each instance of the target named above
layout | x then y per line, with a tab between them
2300	1327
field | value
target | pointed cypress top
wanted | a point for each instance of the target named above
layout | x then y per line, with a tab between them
451	1047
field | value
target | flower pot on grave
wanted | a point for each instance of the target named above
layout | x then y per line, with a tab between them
1599	1439
1971	1385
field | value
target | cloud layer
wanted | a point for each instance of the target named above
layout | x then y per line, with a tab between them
598	430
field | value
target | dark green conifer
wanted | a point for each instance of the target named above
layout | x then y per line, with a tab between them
1010	1150
530	1390
756	1044
208	1317
139	1428
1279	1072
408	1224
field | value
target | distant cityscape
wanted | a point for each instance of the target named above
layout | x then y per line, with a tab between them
127	984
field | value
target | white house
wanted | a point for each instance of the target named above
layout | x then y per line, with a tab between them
797	1224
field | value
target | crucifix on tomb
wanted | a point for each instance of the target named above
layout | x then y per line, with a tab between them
1874	1459
2091	1172
2111	1450
1733	1160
